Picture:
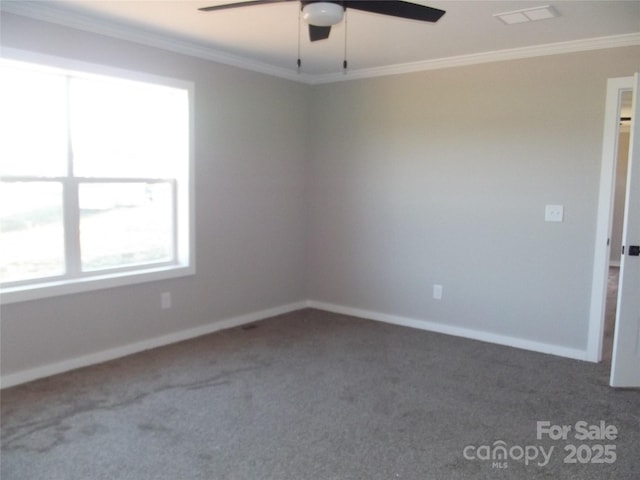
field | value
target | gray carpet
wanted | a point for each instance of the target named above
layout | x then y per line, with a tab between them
313	395
610	313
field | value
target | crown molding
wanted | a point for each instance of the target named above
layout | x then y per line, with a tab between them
615	41
51	13
47	12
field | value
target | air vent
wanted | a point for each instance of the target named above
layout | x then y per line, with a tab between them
527	15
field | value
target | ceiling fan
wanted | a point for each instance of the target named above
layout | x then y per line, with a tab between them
321	15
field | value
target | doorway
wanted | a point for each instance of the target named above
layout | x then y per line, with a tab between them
617	223
616	89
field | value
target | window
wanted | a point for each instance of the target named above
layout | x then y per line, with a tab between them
95	186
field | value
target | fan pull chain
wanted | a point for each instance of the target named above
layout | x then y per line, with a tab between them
299	62
344	63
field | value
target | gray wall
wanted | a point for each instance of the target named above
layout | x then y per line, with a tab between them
442	177
250	152
361	194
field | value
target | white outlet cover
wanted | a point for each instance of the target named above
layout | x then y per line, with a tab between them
554	213
165	300
437	292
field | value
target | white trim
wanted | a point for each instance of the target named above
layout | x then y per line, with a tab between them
85	68
28	375
602	251
31	374
559	48
453	330
54	14
186	229
37	291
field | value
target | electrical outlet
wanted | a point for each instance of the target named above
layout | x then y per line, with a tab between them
165	300
554	213
437	292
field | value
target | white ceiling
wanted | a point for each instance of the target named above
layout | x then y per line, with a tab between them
267	35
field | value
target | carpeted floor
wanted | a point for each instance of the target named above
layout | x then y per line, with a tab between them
317	396
610	313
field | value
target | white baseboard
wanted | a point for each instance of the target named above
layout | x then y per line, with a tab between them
118	352
113	353
453	330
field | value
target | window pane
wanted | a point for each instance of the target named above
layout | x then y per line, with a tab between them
33	122
124	224
31	234
128	129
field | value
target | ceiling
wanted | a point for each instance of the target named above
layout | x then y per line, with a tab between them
265	37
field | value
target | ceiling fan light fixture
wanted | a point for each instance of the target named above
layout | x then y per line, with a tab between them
322	14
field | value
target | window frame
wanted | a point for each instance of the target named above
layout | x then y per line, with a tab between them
183	215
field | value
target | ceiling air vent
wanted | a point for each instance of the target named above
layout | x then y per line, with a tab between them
527	15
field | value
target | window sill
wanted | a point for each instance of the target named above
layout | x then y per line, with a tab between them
57	288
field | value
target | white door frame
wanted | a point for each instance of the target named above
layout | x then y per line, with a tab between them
615	88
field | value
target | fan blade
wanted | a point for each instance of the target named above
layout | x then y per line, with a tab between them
318	33
397	8
241	4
